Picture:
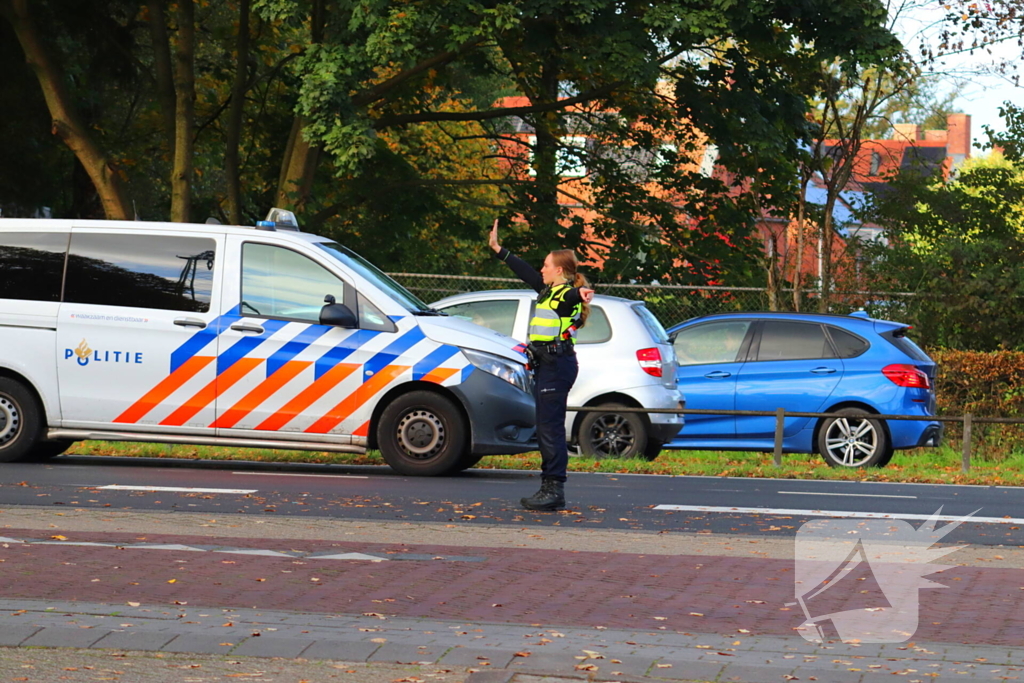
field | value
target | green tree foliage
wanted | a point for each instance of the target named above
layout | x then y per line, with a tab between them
383	122
959	243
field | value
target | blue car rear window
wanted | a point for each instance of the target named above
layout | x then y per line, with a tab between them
899	339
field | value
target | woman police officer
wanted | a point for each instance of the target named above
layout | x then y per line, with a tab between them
561	309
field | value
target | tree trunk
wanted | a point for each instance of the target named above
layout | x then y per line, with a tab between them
801	227
545	153
164	71
185	92
65	120
825	235
234	123
298	167
774	278
298	170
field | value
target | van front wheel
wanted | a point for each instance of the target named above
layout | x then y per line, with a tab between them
21	420
422	434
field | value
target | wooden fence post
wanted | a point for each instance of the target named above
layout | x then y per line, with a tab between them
780	421
966	466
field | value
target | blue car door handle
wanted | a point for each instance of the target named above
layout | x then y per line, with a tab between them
718	374
823	371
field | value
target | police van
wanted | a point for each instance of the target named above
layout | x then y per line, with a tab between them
261	337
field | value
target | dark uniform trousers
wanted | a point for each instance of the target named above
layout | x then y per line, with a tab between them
553	377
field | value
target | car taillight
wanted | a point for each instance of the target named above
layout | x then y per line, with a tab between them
650	361
906	376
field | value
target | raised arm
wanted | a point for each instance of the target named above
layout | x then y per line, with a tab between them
523	270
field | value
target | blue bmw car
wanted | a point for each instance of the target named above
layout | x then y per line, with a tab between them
852	366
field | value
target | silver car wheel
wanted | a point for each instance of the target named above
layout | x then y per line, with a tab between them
10	420
421	434
851	442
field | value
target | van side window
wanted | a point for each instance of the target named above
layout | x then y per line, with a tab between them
32	265
166	272
281	283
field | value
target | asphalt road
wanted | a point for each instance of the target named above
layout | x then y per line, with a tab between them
758	507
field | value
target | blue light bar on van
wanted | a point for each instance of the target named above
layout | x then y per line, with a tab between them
279	219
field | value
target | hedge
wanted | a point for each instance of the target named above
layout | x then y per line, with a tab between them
985	384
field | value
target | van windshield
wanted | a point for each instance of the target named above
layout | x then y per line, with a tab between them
378	277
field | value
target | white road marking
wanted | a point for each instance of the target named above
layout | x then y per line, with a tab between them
298	474
254	551
836	513
179	489
348	556
858	495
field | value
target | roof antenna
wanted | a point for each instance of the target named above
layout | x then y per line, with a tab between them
135	208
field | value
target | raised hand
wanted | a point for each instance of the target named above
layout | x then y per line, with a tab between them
493	241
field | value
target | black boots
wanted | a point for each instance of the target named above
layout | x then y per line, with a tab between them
550	497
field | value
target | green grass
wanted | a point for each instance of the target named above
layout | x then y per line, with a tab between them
935	465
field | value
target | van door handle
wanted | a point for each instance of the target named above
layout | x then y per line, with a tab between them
823	371
190	322
246	327
718	374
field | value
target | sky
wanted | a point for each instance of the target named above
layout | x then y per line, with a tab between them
982	91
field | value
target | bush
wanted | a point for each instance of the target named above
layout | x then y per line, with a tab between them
985	384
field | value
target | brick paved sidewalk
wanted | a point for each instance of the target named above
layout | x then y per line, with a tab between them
684	593
604	615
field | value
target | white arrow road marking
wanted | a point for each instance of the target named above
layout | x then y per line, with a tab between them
254	551
180	489
348	556
836	513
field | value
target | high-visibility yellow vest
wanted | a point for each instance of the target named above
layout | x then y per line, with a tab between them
546	325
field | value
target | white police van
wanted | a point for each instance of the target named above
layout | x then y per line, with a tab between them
257	337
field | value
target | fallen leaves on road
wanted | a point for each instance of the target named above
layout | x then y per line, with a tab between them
59	538
585	667
522	654
374	614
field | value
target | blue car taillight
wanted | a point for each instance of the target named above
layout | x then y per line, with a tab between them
903	375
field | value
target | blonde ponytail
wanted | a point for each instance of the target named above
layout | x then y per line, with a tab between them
581	281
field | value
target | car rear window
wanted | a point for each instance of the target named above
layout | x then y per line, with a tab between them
652	324
902	342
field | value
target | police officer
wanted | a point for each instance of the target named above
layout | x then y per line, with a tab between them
562	308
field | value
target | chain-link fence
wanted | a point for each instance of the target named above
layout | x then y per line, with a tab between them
675	303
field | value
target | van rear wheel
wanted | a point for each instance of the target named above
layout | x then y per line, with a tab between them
422	434
21	420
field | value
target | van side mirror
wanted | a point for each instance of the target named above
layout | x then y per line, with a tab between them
337	315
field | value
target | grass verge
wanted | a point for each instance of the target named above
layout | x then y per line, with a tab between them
936	466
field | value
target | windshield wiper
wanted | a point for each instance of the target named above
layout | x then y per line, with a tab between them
429	311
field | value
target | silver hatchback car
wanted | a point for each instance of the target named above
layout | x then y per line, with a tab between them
626	360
